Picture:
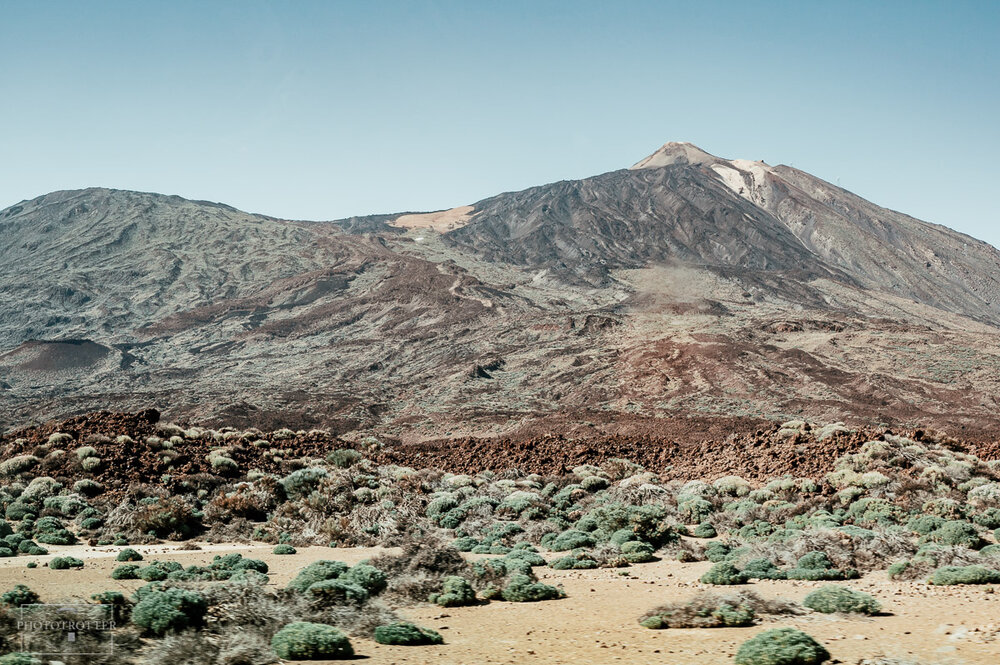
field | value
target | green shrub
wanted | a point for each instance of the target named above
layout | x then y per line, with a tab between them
529	557
65	563
636	551
570	540
19	658
832	598
694	511
154	572
956	533
763	569
338	591
455	592
317	571
303	640
724	572
160	611
814	560
368	577
283	549
129	571
717	551
407	634
576	561
344	458
128	554
302	482
523	589
705	530
18	510
91	523
465	543
781	646
898	570
965	575
51	531
19	595
816	566
925	524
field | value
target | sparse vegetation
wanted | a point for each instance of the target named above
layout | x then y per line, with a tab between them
919	510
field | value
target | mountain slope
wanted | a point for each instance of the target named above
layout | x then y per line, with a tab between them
681	204
687	285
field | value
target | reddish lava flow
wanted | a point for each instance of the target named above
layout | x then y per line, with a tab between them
755	455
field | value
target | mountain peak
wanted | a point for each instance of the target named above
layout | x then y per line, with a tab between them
676	152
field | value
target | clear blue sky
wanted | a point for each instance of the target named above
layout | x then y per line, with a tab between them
320	110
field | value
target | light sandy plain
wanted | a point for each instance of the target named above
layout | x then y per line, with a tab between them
597	621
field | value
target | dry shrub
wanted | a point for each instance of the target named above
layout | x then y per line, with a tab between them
844	551
420	568
699	611
252	501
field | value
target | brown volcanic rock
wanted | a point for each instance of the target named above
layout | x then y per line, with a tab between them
682	448
693	285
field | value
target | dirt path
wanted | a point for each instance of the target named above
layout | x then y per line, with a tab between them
596	623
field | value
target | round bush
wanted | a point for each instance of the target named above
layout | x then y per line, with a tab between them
832	598
65	563
338	591
529	557
317	571
636	551
129	571
128	554
814	560
455	592
369	578
303	640
19	595
571	540
724	572
763	569
407	634
523	589
705	530
283	549
19	658
781	646
161	611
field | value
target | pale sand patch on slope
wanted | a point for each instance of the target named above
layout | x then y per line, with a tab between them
440	221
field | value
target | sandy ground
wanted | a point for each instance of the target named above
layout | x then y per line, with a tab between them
596	623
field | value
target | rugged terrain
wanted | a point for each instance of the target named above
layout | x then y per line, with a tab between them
688	285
